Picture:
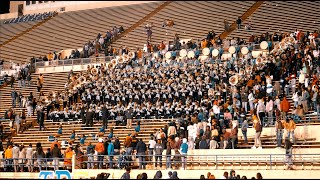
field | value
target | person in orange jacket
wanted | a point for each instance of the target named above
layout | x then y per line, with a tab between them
284	106
68	157
100	150
290	126
8	158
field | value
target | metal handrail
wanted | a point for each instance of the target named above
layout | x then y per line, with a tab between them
105	59
191	160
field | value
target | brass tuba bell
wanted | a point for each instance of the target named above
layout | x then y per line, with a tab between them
242	72
132	55
233	80
121	59
125	58
94	71
110	66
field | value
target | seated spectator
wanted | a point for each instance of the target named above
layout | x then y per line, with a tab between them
59	133
82	139
72	137
137	128
101	132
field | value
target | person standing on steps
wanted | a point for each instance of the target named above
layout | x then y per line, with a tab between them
258	129
14	96
279	132
290	126
288	148
141	154
239	21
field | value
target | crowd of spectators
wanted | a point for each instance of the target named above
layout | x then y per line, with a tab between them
21	73
197	94
30	17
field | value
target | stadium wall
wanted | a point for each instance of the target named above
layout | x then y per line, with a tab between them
182	174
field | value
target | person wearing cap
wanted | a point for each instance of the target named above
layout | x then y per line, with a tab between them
100	152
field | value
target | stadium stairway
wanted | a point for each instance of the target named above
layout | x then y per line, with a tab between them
144	19
8	31
71	30
52	82
192	19
33	135
28	30
247	14
280	17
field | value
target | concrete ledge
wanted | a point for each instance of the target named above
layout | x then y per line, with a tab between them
182	174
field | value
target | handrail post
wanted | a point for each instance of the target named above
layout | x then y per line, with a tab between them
216	162
73	162
270	162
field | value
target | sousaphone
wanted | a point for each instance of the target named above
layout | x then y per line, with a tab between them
110	66
94	71
244	50
232	49
191	54
215	53
114	62
233	80
242	72
168	55
206	51
125	58
121	59
131	55
183	53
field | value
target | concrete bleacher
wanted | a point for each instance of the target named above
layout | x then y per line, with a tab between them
10	30
193	19
52	82
72	30
281	16
67	30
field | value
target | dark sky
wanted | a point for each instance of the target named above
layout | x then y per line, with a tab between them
4	7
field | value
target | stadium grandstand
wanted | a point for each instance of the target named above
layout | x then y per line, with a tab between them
160	89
